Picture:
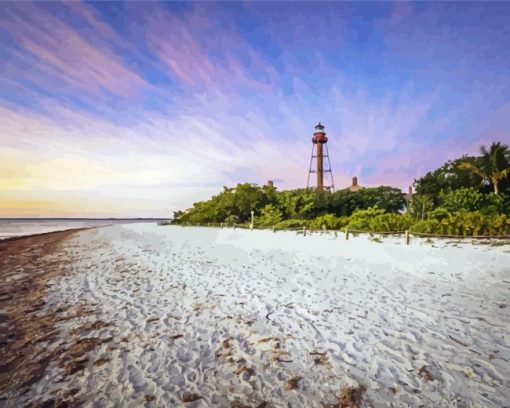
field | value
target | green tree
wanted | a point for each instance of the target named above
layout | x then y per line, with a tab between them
297	204
248	197
470	199
269	216
420	206
224	204
390	199
345	202
450	176
493	166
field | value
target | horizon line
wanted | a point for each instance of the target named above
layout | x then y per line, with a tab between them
84	218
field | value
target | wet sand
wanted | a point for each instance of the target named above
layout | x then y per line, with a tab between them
29	338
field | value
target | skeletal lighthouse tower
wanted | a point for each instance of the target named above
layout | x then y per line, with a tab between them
320	141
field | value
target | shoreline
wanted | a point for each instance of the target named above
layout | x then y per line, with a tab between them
16	228
20	237
26	328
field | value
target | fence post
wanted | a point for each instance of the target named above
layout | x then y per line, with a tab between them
221	225
407	237
346	233
304	231
234	225
324	227
336	234
273	228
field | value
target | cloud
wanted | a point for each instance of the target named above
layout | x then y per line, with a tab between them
76	152
63	54
202	50
88	14
183	100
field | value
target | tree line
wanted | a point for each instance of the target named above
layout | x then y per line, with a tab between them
466	196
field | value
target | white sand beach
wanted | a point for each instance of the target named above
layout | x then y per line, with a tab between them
206	317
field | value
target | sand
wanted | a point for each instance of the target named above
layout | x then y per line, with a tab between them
27	328
141	315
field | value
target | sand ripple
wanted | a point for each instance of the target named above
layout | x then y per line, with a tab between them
169	316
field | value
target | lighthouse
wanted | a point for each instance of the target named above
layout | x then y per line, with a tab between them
319	153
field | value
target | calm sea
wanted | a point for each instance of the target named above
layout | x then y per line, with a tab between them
16	227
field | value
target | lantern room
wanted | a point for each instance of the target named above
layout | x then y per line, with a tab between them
319	135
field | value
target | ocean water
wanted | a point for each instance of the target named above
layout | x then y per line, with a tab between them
17	227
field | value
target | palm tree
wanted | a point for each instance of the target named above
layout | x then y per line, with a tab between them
419	205
493	165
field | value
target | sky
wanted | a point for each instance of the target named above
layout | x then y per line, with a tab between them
138	109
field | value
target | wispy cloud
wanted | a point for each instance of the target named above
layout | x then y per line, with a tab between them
205	52
166	103
64	54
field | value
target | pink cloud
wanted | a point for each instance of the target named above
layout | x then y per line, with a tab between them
186	45
88	14
67	54
171	38
56	56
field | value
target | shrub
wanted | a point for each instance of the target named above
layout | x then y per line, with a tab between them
494	204
232	219
499	225
360	219
467	223
292	224
330	221
470	199
375	219
389	222
269	216
430	226
439	214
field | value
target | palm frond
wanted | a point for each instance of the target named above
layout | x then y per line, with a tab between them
475	169
501	174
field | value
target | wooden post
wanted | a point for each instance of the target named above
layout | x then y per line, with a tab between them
234	225
273	228
346	233
324	227
304	231
407	237
221	225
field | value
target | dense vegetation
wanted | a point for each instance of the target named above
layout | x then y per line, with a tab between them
271	206
467	196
